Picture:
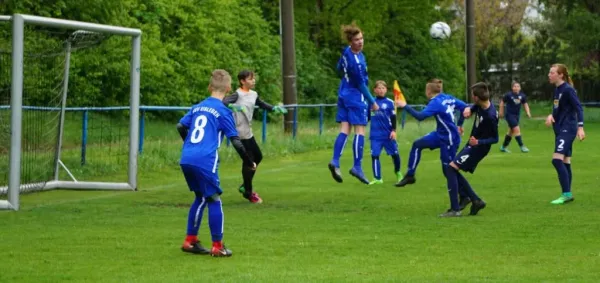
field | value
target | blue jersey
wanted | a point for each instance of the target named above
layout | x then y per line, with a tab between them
512	102
353	69
567	111
442	107
485	125
383	120
206	123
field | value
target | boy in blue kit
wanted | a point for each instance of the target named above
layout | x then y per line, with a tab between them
446	137
567	122
483	134
201	130
383	133
354	99
513	101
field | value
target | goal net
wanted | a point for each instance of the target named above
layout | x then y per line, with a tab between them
69	114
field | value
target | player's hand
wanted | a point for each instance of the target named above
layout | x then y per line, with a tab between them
549	120
279	109
529	115
401	103
473	141
461	130
580	133
236	108
375	107
467	112
393	135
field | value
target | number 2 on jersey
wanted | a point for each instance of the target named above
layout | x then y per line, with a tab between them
198	131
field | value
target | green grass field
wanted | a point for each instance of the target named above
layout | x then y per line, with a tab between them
311	229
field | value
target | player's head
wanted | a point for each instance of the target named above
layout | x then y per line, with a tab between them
353	35
480	92
433	88
246	79
559	74
516	87
380	88
220	82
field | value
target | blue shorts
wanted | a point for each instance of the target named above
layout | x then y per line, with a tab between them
353	113
468	158
563	143
512	121
391	147
201	180
433	141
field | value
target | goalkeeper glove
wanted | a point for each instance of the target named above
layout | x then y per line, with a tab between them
279	109
236	108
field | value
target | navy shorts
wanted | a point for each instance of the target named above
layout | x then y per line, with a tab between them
353	113
200	180
512	121
390	146
433	141
468	158
563	143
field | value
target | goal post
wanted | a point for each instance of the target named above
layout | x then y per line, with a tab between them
15	186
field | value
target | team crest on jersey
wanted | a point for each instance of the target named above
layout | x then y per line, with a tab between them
384	106
517	100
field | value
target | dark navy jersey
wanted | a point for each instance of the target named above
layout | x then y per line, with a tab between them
513	102
567	111
206	123
485	125
382	120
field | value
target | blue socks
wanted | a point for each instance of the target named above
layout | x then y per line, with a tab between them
376	167
396	158
519	140
466	188
357	148
413	160
568	166
563	175
195	216
452	178
338	148
215	220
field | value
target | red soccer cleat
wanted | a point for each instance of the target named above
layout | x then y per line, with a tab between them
254	198
219	250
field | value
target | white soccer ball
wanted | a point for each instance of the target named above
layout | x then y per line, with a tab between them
440	30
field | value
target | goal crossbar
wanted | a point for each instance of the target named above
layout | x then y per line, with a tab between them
16	105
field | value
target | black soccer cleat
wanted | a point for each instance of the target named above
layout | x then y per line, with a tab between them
464	202
335	173
451	213
194	248
406	181
477	206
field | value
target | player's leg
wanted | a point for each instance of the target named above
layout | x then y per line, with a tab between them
358	118
447	154
563	144
391	148
430	141
376	146
467	161
567	162
340	141
510	121
517	134
248	174
191	243
212	192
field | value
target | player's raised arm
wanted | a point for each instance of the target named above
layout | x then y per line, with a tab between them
429	111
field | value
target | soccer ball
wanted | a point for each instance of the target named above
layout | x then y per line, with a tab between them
440	30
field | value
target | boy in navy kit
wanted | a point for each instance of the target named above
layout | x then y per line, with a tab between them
567	122
513	101
383	133
483	134
201	130
446	137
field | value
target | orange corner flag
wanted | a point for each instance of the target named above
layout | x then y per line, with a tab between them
398	95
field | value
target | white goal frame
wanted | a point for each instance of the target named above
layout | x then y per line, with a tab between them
15	187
